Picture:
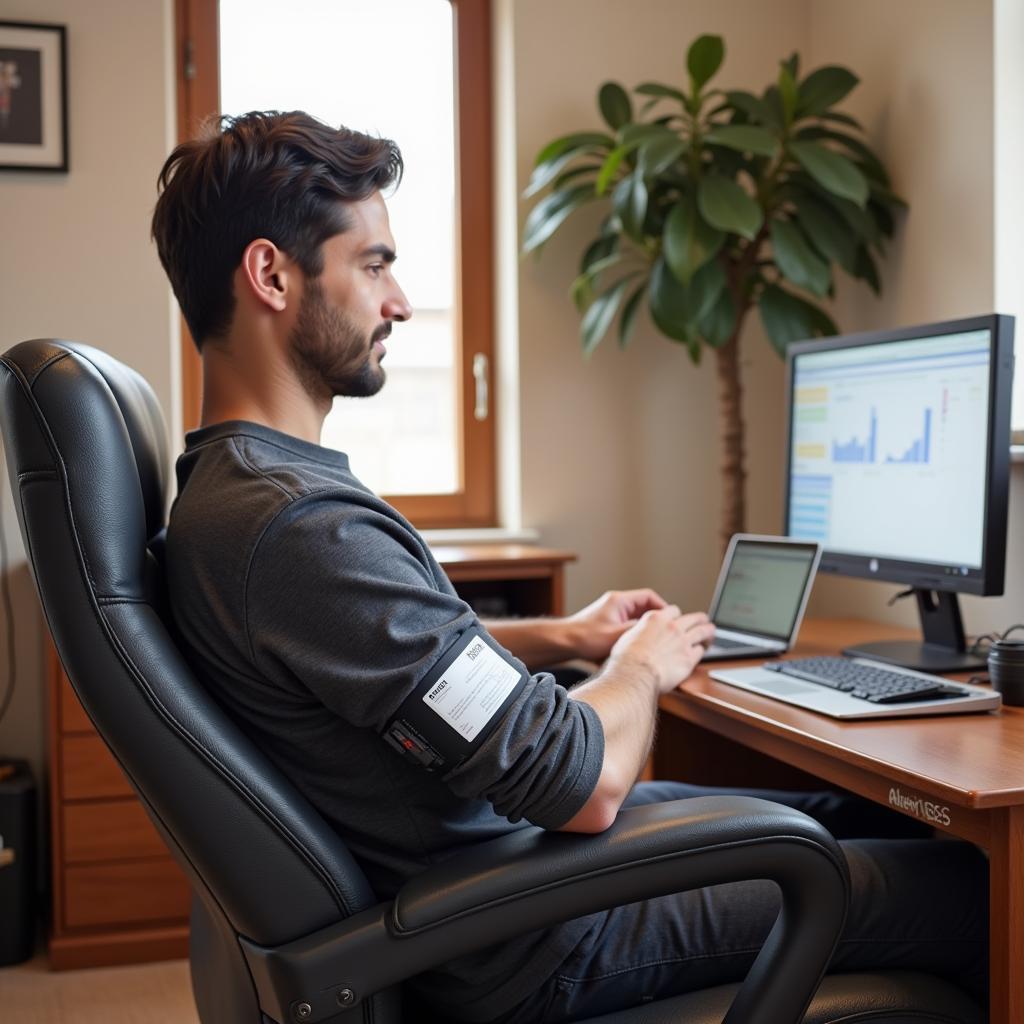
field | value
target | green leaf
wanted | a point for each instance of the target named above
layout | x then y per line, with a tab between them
580	141
637	133
745	138
610	166
787	318
627	322
573	175
615	106
866	269
868	161
832	171
797	261
724	205
676	308
883	218
718	324
660	91
629	200
749	104
828	231
840	118
775	113
658	154
860	220
543	174
792	65
824	88
689	241
704	59
601	247
601	314
787	94
549	214
582	288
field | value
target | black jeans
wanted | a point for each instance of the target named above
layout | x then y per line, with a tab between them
917	904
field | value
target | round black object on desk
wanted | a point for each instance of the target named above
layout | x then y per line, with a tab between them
1006	669
17	862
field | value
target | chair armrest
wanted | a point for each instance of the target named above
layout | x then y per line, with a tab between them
530	878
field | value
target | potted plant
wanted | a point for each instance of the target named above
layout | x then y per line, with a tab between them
719	201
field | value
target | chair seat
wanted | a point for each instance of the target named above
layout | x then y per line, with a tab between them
889	997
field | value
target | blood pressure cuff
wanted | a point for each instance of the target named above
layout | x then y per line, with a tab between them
457	704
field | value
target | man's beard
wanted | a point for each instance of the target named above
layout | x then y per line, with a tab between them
331	355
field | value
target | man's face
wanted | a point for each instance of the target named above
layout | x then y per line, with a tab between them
346	313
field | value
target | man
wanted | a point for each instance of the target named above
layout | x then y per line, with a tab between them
318	616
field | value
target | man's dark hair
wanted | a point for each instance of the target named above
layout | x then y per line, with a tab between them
261	175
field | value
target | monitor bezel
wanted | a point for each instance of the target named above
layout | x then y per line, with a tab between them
988	579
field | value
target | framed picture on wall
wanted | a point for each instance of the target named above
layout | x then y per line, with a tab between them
33	97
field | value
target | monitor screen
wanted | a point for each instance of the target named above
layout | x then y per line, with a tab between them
894	463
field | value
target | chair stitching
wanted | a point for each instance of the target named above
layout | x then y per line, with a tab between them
55	358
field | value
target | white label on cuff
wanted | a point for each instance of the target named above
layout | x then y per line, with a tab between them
472	688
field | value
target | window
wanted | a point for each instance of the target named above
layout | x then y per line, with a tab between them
417	71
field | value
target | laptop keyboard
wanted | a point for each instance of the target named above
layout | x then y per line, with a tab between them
731	645
869	682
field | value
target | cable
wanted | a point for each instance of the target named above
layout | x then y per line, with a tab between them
5	597
991	638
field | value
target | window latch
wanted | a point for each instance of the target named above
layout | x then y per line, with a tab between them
482	407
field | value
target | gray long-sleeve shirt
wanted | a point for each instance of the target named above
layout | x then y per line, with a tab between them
312	610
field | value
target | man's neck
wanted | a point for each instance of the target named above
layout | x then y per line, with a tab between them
265	392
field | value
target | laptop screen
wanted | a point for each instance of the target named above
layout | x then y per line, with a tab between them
764	586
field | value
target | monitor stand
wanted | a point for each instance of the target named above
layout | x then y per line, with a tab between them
944	648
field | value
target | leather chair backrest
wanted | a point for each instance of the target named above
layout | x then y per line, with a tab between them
87	459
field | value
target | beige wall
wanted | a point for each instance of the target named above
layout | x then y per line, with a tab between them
76	261
619	454
927	102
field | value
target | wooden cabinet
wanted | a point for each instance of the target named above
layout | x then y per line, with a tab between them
118	897
501	580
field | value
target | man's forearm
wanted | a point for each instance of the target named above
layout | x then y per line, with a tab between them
626	700
536	642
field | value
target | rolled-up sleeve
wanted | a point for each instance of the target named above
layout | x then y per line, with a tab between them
543	759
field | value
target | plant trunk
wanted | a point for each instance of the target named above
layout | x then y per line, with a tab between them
730	412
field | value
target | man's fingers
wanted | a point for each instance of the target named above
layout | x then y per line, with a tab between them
635	602
694	620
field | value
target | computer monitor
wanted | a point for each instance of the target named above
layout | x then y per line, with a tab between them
898	465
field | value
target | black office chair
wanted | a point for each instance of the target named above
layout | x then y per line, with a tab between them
285	928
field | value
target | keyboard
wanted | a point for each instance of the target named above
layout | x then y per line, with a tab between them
868	681
725	644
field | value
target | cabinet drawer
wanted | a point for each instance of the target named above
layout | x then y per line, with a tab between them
125	893
87	769
109	830
72	715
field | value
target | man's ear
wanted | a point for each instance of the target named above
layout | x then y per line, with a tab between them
268	274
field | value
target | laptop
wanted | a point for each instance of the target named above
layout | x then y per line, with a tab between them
760	596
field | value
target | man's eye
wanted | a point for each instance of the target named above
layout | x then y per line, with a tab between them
376	269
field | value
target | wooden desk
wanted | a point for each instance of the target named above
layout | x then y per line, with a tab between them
964	774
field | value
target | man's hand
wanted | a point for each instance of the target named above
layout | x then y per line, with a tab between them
664	643
596	628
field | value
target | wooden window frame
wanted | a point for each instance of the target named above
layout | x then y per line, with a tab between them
474	504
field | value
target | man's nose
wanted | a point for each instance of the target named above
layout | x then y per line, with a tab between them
397	307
